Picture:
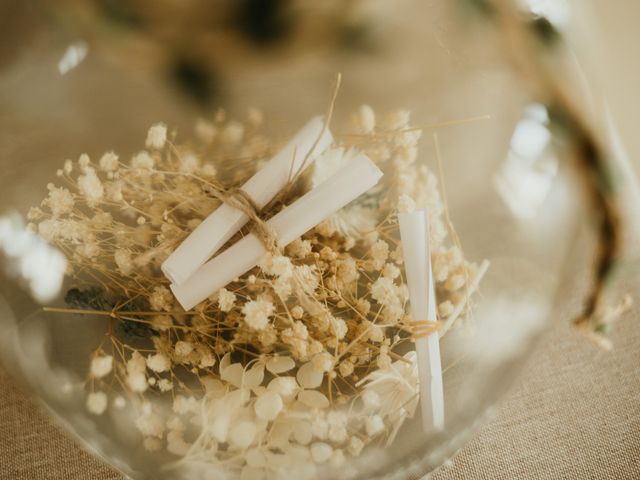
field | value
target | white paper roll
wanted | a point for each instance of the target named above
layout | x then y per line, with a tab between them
226	221
414	232
351	181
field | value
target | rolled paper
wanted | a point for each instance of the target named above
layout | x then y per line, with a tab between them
414	233
348	183
226	220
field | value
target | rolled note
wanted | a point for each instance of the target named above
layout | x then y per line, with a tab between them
225	221
414	232
348	183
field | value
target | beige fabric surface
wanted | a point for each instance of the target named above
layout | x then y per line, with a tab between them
574	414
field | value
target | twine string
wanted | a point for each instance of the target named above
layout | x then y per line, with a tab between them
238	198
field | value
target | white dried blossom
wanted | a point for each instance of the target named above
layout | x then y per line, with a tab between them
189	163
97	403
374	425
123	261
60	201
142	160
90	186
384	291
286	387
183	405
226	300
299	248
257	313
390	271
161	299
322	362
101	366
152	444
183	348
406	204
109	162
379	254
156	136
165	385
158	363
150	424
84	161
136	378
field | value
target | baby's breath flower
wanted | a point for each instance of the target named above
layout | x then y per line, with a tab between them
142	160
90	186
165	385
60	201
390	271
374	425
101	366
158	363
161	299
152	444
84	161
97	403
379	254
109	162
156	136
299	248
150	424
183	348
297	312
384	291
189	163
257	313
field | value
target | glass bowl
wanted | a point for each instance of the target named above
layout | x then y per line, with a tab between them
91	77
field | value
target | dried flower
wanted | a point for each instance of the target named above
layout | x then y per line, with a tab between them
101	366
156	136
316	316
257	313
158	363
97	403
109	162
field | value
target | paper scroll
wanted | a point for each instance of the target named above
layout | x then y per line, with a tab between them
226	221
414	232
351	181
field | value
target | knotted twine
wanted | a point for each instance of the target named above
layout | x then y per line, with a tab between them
238	198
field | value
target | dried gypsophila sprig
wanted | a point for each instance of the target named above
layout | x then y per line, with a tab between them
299	332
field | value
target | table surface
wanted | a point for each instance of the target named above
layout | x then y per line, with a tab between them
574	413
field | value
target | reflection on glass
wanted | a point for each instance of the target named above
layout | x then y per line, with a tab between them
525	178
